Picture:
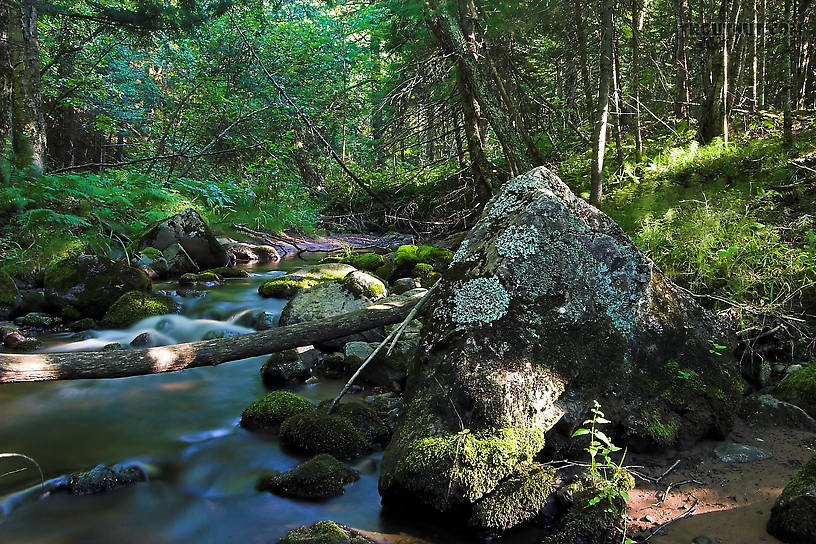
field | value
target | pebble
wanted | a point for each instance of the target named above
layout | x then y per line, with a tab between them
312	380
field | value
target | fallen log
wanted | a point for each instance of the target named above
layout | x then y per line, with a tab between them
119	364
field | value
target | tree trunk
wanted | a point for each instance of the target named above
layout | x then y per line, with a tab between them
762	54
681	94
787	131
477	77
27	117
577	11
638	17
714	74
617	99
602	112
5	97
480	167
755	58
120	364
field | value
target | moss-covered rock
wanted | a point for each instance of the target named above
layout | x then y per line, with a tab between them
546	306
266	253
323	532
321	477
408	256
403	285
422	271
284	287
793	516
205	278
230	272
39	320
284	367
135	306
369	262
364	418
191	232
437	257
8	289
273	409
518	499
151	253
593	515
361	284
799	389
315	432
91	283
101	479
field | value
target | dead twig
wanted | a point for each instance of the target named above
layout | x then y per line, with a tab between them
687	514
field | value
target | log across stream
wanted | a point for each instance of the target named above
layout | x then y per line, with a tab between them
184	425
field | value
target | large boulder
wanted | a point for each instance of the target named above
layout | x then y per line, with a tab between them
547	306
793	516
192	233
92	284
135	306
332	298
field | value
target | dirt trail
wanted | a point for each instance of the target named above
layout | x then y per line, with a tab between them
731	502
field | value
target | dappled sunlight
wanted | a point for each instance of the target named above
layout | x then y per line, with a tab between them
33	367
166	359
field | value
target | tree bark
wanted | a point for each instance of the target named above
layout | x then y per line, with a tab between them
602	112
638	18
577	10
681	96
5	96
787	130
27	117
120	364
714	74
480	167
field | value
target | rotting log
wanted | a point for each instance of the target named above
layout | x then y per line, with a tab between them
119	364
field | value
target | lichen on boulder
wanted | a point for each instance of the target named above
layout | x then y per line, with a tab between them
134	306
547	306
321	477
793	516
273	409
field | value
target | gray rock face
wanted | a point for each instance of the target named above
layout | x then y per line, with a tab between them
190	231
178	261
326	299
403	285
283	368
385	369
549	305
768	410
793	516
740	453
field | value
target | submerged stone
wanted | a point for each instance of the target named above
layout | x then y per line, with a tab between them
102	479
321	477
547	306
284	367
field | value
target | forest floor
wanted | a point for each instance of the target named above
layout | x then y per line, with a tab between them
726	503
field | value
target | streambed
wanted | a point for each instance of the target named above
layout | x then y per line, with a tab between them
184	427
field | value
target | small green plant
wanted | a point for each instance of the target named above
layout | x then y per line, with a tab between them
716	349
603	471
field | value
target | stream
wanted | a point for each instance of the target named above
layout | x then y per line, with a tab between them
182	426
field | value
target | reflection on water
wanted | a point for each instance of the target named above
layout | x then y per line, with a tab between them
184	423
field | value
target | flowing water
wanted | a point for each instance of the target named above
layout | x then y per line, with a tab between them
184	425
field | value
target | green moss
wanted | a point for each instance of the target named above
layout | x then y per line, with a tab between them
438	257
365	285
265	252
662	431
273	409
473	463
321	477
406	257
317	432
8	289
430	280
284	287
364	418
422	271
386	270
229	272
203	277
151	253
799	388
135	306
517	499
323	532
369	262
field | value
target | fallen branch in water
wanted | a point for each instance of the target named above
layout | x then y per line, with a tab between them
120	364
